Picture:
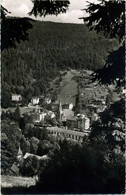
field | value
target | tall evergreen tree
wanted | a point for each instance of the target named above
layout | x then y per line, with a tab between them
17	114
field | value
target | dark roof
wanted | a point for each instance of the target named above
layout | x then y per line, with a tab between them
15	169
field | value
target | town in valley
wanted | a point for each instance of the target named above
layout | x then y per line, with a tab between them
63	97
79	103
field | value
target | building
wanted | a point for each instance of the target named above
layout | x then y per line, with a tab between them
19	154
67	106
35	100
62	109
27	154
67	113
67	134
68	100
71	122
48	100
86	123
14	169
55	107
101	109
64	121
92	107
97	102
51	114
16	97
80	124
38	116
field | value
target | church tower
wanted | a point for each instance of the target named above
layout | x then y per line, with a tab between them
19	154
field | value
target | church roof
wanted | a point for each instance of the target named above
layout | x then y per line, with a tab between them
44	157
67	113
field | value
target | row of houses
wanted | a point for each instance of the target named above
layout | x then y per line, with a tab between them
38	115
65	116
68	119
61	111
34	100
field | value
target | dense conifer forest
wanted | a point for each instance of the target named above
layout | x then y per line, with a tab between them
39	65
28	68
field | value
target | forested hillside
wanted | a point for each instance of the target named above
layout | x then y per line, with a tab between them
28	68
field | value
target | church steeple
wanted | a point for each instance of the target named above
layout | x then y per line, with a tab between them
19	154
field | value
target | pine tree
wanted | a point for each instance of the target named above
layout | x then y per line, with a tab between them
17	114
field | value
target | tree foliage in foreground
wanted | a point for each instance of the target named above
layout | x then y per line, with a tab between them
16	30
13	30
109	129
114	69
104	17
82	169
10	138
49	7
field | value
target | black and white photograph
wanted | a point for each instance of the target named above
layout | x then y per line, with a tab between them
63	97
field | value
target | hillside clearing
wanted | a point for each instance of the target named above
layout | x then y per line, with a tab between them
15	181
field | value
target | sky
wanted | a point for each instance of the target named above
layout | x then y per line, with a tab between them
21	8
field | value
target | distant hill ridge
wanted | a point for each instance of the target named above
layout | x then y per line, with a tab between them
33	64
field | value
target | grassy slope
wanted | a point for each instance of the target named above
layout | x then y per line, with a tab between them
13	181
68	88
